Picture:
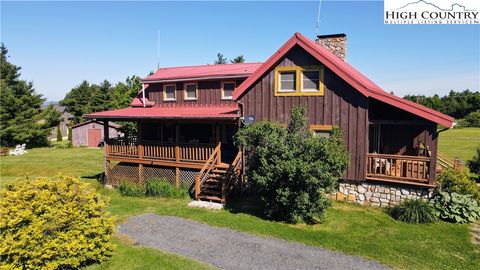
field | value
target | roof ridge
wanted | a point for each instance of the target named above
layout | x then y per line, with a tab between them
209	65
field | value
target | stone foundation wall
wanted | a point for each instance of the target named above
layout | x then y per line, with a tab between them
378	194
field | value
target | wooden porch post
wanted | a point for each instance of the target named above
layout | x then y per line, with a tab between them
433	157
177	155
106	137
140	154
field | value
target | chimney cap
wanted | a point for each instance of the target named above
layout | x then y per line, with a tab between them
332	36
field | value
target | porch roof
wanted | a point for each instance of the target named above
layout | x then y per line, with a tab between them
171	112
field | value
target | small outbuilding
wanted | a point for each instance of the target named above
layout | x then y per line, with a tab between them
90	133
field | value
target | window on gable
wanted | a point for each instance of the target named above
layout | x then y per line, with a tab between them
287	81
169	92
227	89
191	91
299	81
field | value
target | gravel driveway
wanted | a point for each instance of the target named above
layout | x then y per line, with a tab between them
228	249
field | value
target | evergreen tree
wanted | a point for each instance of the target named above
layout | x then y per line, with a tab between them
21	117
70	134
238	59
79	100
59	134
220	59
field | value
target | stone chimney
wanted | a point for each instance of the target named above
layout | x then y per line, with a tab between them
336	43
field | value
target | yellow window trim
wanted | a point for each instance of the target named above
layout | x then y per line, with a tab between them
185	91
321	127
165	92
223	93
299	81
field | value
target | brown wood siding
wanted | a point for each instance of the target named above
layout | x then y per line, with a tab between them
341	106
209	93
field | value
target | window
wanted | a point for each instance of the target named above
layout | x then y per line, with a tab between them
190	91
299	81
287	81
169	92
321	130
227	89
310	81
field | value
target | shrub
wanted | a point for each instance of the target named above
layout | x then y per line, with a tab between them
56	223
70	134
291	169
414	211
160	187
472	119
131	190
474	164
459	181
59	134
455	207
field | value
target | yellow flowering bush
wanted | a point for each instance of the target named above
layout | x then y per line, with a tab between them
53	224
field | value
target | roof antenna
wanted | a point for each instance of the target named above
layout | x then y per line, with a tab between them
158	49
318	17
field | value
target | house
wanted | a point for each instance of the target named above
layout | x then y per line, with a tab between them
65	121
90	133
187	116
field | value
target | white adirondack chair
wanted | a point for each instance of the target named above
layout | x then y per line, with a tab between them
19	150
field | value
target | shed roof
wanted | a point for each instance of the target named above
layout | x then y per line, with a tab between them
171	112
113	125
347	73
241	70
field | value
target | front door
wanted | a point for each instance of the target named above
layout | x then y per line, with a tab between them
94	135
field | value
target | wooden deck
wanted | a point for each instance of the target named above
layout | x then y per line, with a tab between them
413	170
184	155
214	180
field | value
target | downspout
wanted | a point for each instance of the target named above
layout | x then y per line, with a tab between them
143	94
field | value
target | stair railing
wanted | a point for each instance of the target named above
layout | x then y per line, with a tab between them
212	161
444	162
233	174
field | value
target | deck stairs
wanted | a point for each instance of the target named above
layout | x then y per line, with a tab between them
211	188
217	179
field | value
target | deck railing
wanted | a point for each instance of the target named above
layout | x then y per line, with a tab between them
398	168
152	150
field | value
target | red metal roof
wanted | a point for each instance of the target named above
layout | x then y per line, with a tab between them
137	102
346	72
242	70
113	125
170	112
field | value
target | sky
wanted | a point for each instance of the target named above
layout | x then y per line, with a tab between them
60	44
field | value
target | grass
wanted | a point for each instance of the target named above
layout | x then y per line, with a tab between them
352	229
128	256
82	162
459	143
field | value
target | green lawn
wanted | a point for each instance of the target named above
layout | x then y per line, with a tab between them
128	256
459	143
352	229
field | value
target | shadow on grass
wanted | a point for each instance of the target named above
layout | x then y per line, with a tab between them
246	203
100	177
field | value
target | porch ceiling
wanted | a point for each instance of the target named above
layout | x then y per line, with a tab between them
171	112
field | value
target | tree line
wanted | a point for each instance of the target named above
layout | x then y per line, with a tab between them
461	105
89	98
